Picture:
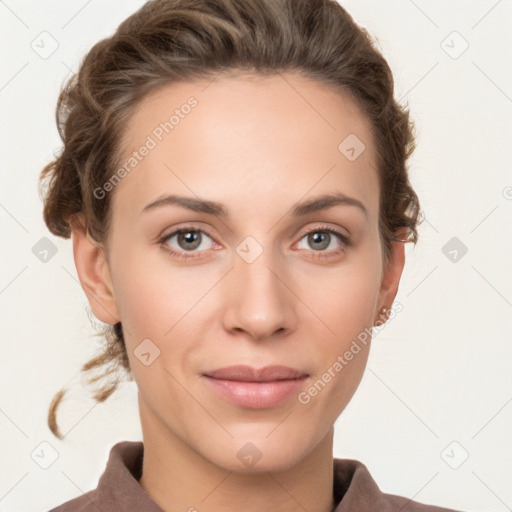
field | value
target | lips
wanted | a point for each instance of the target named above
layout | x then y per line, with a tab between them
244	373
256	388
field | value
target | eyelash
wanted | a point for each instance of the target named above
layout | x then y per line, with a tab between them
316	254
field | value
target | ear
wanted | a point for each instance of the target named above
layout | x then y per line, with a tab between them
93	272
391	275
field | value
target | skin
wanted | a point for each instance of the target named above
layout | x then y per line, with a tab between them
258	145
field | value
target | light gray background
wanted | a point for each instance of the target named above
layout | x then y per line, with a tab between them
438	386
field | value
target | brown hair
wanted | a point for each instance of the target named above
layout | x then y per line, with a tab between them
175	40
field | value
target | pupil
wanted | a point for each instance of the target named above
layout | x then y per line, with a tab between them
190	237
317	238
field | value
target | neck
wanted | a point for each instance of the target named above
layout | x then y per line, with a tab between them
178	478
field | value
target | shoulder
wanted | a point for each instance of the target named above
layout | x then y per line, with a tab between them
118	487
84	503
356	490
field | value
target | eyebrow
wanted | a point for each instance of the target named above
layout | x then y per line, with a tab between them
316	204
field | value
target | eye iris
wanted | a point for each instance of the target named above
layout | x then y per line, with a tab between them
317	237
189	237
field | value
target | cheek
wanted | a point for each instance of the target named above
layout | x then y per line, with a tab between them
151	294
349	315
343	298
159	302
344	302
341	352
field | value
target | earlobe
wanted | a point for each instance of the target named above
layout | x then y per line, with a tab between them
93	272
392	273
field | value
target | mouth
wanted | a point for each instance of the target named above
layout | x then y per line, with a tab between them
256	388
244	373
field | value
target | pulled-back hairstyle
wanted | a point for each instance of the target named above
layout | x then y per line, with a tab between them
178	40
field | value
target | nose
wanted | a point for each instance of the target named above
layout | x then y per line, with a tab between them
259	302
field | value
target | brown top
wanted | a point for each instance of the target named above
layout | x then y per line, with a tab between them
118	489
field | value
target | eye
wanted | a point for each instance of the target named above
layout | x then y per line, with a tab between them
187	239
321	238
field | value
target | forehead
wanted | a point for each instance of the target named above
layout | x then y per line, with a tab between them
248	137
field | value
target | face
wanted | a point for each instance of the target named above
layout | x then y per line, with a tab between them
270	281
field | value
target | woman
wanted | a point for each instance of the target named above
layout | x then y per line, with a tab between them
209	146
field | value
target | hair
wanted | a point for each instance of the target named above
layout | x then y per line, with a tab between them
167	41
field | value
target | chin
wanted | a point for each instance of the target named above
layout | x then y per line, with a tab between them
259	454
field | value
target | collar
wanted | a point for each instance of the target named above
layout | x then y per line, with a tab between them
119	490
353	489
